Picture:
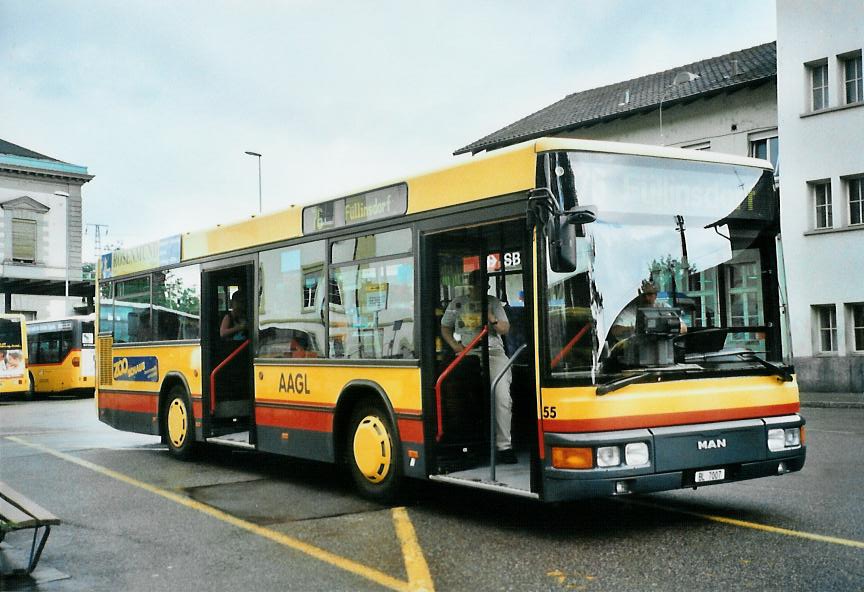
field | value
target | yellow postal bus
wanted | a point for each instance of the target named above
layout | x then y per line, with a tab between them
559	320
62	355
13	355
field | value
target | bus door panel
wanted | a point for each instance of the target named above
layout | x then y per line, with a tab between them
499	255
227	346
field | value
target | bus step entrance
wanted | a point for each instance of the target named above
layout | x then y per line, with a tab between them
454	458
235	439
230	409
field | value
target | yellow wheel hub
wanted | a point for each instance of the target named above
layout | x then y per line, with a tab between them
372	449
178	423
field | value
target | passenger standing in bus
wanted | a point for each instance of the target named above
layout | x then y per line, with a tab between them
234	323
460	324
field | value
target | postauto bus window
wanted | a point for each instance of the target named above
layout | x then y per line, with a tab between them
291	301
106	307
375	318
132	310
177	304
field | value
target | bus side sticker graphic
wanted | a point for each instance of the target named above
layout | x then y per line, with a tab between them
136	368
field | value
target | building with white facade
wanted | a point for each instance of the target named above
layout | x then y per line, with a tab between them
735	104
821	120
40	233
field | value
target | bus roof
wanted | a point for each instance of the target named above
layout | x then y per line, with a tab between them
500	172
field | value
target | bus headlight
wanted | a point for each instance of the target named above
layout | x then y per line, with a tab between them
636	453
608	456
783	439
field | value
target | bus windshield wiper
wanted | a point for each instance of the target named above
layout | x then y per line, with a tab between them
780	371
628	380
745	355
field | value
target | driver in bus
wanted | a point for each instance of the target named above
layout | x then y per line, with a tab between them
625	324
459	326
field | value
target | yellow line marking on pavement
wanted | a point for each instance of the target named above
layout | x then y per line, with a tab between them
754	525
415	565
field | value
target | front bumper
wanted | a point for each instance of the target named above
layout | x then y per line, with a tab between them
675	458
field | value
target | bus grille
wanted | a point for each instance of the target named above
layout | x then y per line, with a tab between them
105	347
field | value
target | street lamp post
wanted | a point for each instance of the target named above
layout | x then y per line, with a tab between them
250	153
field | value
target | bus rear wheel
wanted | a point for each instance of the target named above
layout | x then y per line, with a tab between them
178	424
373	454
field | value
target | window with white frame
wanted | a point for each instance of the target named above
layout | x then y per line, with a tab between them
822	200
767	148
819	86
856	200
856	314
826	323
311	279
23	240
852	78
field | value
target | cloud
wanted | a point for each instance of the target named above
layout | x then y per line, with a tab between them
160	99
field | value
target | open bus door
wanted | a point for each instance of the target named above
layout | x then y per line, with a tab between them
227	347
459	388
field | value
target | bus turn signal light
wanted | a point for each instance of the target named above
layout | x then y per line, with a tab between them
76	361
572	458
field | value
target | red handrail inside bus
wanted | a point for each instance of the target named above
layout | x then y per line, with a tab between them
566	349
230	357
447	371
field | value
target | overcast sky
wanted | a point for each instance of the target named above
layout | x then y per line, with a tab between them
160	99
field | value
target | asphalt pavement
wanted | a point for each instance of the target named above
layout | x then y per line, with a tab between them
136	519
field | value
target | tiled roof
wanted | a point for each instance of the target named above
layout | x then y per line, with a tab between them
747	67
16	150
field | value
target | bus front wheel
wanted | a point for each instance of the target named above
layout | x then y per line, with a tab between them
178	424
373	454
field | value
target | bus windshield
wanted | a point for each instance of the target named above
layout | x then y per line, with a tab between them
11	348
677	274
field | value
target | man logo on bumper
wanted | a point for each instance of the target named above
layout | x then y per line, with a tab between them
708	444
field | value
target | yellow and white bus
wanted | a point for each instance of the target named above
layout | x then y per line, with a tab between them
13	355
62	355
316	331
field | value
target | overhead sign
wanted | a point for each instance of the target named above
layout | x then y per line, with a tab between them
49	327
377	204
134	259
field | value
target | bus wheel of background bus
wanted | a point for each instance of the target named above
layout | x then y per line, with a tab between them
178	424
372	453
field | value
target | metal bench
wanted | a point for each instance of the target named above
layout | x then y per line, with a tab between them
17	512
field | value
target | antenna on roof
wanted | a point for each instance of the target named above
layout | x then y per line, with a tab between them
682	77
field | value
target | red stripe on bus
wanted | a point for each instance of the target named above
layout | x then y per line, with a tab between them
605	424
410	430
135	402
315	421
293	403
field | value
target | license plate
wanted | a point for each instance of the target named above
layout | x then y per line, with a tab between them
712	475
